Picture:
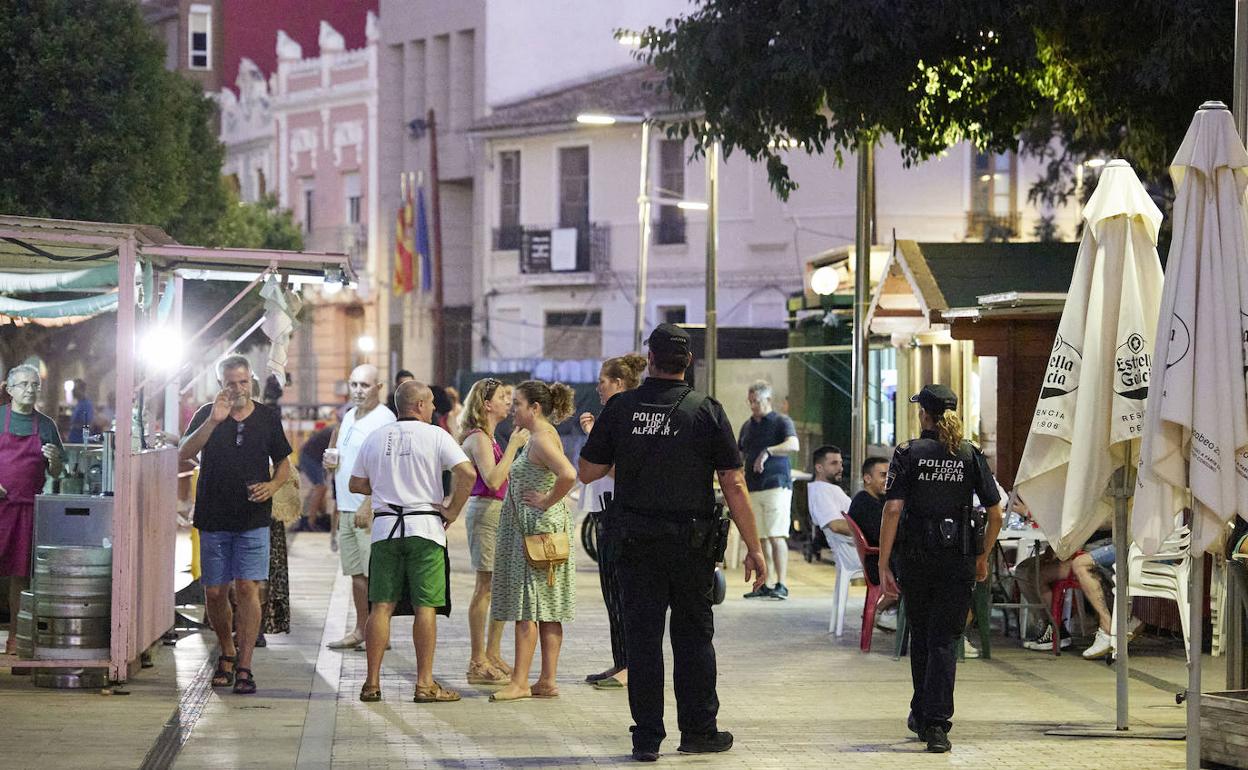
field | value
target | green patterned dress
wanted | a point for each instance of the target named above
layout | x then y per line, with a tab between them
520	592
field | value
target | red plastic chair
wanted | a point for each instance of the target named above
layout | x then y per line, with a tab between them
1060	588
874	591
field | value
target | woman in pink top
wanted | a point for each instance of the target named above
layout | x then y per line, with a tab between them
488	404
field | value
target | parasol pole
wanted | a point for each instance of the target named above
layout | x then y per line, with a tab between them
1195	626
1122	492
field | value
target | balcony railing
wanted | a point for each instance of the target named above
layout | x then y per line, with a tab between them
986	226
542	250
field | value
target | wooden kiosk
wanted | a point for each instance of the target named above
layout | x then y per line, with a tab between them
144	481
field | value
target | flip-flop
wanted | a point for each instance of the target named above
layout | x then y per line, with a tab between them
495	699
610	683
599	677
551	693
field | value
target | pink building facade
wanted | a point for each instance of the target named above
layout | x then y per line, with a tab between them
307	134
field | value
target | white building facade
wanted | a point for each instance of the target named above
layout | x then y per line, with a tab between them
506	81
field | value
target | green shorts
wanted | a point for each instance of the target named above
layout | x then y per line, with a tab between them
412	563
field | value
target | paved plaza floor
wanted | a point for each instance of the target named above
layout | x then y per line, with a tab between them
793	695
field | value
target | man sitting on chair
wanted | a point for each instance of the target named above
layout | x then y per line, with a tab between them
829	505
867	511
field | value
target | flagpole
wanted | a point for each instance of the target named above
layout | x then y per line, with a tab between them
435	203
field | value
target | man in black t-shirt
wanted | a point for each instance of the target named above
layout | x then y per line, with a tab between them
867	509
767	439
238	439
667	443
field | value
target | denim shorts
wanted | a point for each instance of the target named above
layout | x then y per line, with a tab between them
1103	556
228	556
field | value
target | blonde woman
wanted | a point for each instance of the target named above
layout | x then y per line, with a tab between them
617	375
540	479
489	402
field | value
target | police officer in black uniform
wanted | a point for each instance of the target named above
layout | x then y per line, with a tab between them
667	443
936	547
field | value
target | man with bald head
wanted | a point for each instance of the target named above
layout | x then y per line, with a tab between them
401	466
353	518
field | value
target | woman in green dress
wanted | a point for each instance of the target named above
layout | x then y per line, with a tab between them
540	478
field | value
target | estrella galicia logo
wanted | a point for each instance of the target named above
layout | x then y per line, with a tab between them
1133	364
1062	375
1180	341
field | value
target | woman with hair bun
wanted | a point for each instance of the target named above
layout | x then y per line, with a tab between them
616	376
541	477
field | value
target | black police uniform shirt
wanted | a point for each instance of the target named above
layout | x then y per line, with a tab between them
934	483
663	469
237	453
756	435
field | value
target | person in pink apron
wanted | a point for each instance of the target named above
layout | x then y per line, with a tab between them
29	447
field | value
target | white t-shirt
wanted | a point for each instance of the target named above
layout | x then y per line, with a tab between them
827	502
403	463
591	495
351	435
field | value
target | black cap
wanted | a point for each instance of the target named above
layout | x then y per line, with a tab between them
668	338
936	399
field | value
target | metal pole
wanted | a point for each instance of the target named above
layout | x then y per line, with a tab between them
643	236
435	203
862	282
1239	102
1122	492
712	266
1195	626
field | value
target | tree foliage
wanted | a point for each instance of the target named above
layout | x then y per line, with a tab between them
1111	78
260	225
96	128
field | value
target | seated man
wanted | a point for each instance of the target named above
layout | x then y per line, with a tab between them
1097	555
829	505
867	511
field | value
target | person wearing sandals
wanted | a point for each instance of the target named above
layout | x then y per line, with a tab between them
538	602
238	440
617	375
352	520
401	466
487	405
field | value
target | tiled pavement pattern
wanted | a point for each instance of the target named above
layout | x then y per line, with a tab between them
793	696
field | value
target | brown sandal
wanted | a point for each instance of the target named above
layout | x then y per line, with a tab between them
484	673
435	694
541	692
370	694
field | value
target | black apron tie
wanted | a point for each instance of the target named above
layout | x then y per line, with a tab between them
400	516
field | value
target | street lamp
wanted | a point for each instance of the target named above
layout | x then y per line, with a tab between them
643	209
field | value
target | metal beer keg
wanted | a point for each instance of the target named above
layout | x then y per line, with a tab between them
72	603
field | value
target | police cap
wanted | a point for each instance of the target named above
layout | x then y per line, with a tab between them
936	399
668	339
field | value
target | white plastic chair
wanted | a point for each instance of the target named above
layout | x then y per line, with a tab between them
1153	576
848	567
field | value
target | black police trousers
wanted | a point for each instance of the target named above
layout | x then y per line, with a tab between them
609	580
656	574
936	587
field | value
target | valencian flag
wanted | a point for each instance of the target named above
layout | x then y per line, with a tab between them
422	243
404	247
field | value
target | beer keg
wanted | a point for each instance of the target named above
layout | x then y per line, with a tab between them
72	602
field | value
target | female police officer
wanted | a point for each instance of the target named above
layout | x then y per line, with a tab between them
928	527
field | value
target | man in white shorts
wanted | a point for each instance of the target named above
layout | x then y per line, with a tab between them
353	520
766	441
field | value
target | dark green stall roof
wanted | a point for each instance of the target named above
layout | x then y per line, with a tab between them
960	273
